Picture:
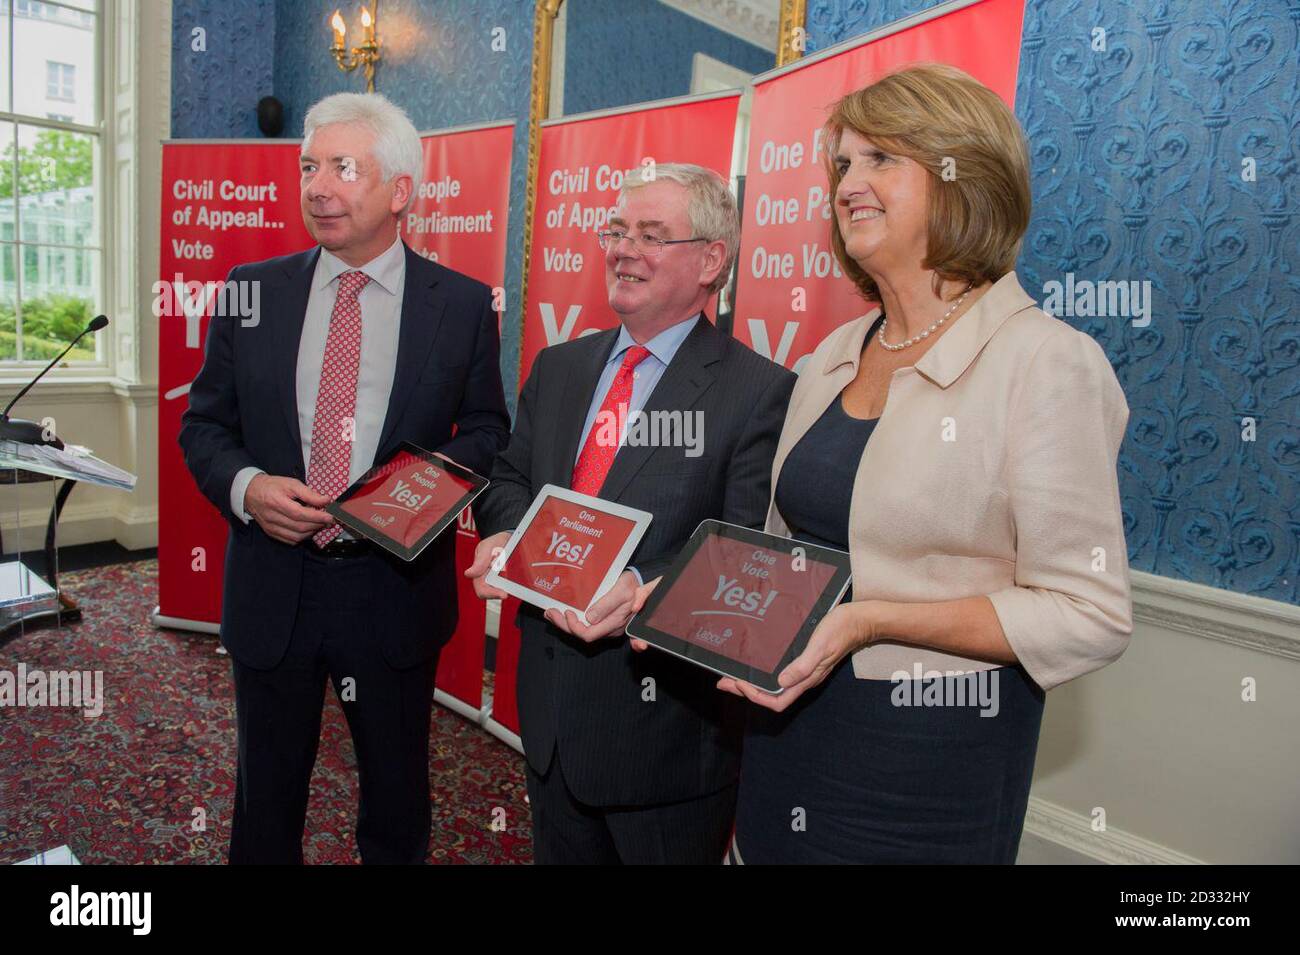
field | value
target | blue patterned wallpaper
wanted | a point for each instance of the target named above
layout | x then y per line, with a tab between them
215	89
1138	158
621	53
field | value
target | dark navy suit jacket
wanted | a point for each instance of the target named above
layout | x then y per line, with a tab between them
617	747
243	410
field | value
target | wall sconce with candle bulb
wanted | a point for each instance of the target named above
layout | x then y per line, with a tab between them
364	54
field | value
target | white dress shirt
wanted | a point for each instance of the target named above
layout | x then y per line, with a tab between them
381	316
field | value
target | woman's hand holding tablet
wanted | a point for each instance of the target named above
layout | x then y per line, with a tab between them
742	603
840	633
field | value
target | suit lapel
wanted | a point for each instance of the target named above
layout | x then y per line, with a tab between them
423	312
683	381
579	391
286	333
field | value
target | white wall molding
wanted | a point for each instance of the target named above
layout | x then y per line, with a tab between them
140	394
122	211
1268	626
74	391
136	527
1074	831
82	522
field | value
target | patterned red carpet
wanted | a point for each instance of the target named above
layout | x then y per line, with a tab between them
130	785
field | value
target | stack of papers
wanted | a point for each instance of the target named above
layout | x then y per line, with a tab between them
74	462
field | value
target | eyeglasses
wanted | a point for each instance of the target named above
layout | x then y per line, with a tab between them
645	243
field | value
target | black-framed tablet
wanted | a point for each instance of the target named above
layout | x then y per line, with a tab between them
405	502
741	602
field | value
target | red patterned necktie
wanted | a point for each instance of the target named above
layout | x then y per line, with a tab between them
334	427
597	455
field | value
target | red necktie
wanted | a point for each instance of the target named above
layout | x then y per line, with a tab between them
597	455
334	427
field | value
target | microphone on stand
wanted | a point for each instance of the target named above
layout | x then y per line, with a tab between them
31	432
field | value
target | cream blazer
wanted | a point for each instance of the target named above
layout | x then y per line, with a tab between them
992	470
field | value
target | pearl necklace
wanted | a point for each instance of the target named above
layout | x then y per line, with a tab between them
925	334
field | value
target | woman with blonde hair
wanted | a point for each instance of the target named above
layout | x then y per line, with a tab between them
963	446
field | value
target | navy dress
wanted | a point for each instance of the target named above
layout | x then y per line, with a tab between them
844	775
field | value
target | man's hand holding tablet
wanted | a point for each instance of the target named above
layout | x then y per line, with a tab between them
485	553
638	602
606	617
407	500
567	556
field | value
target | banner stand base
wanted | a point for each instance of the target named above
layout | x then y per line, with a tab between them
180	623
475	715
509	737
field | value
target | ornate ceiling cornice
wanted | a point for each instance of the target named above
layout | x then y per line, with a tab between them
754	21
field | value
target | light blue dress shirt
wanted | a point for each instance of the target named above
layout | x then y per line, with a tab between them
647	374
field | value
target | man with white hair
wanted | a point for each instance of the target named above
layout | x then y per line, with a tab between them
361	345
633	757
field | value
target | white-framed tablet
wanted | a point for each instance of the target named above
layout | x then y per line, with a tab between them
741	602
568	550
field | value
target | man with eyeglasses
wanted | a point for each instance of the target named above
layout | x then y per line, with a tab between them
633	757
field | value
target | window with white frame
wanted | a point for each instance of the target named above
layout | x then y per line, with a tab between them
51	156
60	81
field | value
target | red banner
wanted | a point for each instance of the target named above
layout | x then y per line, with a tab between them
460	665
458	219
226	203
222	204
580	170
505	708
790	291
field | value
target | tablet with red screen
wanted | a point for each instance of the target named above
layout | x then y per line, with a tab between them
742	602
568	550
408	500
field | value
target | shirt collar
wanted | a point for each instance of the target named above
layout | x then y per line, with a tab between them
385	269
953	353
663	346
